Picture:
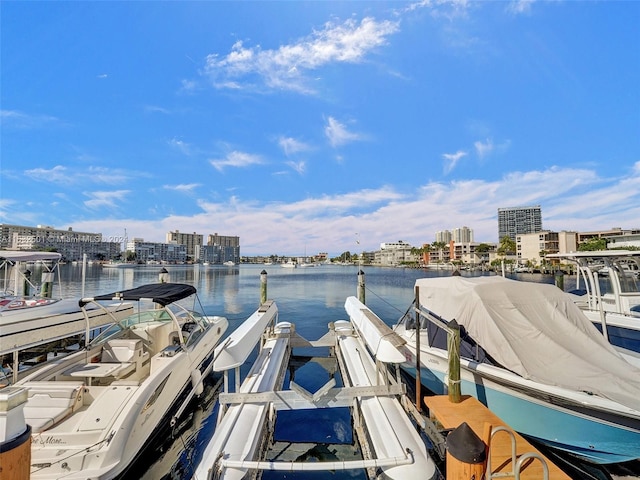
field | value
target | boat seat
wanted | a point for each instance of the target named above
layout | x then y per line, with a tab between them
51	402
121	350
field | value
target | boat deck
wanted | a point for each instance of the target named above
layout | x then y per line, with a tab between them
451	415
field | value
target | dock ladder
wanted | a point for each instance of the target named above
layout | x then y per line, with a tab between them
517	464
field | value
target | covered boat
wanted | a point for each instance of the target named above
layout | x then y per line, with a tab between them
533	358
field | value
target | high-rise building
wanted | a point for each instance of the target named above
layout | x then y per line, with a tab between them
189	240
444	236
519	221
462	235
222	249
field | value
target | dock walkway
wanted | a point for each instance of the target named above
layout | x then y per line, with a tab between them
476	415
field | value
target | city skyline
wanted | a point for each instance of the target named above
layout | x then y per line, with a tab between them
319	126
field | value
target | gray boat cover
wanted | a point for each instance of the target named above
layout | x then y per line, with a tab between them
536	331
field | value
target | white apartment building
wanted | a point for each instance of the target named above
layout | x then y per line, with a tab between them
444	236
462	235
395	253
533	247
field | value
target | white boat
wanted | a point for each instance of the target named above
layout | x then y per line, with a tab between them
240	444
608	292
94	411
229	263
119	265
31	315
289	264
532	357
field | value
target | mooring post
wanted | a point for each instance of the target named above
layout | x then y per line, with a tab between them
164	275
26	287
263	286
559	277
361	286
453	350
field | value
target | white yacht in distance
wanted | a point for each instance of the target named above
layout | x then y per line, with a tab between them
608	292
93	412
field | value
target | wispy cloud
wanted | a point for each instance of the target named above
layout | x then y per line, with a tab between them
18	119
519	7
291	146
299	167
62	175
237	159
285	68
180	145
105	199
483	148
183	187
338	134
386	214
452	159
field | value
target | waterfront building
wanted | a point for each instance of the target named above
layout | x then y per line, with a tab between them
516	221
444	236
224	247
466	253
152	252
532	248
72	245
624	241
611	235
395	253
189	240
462	235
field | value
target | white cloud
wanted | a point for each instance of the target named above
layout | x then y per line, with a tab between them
183	187
291	146
520	6
57	174
105	199
483	148
452	160
571	199
17	119
183	147
338	134
299	167
62	175
236	159
285	68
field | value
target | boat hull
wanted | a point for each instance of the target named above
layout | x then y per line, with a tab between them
592	434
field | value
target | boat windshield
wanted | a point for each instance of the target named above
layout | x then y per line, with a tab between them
147	316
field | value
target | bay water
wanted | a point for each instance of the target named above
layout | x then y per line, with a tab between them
308	297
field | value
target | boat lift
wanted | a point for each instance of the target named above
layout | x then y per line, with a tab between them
363	347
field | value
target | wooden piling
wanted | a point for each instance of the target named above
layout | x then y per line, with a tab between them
453	351
263	286
361	294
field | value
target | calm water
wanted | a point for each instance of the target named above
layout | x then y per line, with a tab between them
308	297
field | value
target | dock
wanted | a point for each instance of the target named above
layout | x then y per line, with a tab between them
451	415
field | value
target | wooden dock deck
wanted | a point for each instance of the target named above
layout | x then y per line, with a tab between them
476	415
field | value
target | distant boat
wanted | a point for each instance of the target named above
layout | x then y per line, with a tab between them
607	292
289	264
229	263
119	265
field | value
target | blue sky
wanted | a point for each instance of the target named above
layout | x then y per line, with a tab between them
319	126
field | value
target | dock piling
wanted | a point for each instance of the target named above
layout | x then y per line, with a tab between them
263	286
